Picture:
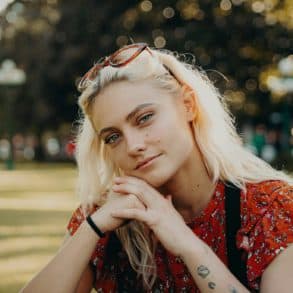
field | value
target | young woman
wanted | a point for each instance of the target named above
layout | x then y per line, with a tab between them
157	152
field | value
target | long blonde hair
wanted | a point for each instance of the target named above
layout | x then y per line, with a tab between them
214	131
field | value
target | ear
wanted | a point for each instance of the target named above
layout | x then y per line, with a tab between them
189	103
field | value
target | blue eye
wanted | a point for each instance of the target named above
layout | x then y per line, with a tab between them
114	137
111	138
145	118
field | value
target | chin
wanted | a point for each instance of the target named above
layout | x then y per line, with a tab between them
157	178
159	175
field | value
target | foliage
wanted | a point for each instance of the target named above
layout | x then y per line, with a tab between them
56	41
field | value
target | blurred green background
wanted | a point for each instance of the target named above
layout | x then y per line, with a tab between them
36	202
245	46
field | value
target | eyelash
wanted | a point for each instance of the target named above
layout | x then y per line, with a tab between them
138	121
149	115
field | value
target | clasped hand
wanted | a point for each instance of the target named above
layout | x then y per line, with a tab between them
158	213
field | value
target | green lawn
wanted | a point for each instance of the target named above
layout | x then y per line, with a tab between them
36	202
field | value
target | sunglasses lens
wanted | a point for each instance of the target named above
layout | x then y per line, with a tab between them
125	55
120	58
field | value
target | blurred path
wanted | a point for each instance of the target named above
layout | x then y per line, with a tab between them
36	202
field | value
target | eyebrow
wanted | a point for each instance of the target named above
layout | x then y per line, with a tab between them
128	117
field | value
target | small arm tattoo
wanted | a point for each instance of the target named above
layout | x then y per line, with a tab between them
211	285
203	271
232	289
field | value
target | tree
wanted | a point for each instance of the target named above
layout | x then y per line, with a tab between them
56	41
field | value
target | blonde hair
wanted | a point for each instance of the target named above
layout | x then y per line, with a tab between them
221	147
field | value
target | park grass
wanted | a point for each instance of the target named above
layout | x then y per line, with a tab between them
36	202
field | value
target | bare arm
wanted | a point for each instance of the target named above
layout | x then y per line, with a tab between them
64	271
277	277
207	270
86	282
68	271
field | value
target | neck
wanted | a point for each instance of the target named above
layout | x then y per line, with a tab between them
191	187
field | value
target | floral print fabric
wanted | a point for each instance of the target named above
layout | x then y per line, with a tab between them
266	230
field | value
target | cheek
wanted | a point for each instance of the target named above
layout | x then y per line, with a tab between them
115	157
154	135
162	129
118	158
167	132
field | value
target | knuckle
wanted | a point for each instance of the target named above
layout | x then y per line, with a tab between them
144	184
139	205
132	199
155	219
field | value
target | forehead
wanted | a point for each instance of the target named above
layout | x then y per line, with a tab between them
119	98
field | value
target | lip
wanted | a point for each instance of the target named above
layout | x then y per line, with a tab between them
145	162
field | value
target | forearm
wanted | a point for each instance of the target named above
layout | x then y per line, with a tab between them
207	270
63	272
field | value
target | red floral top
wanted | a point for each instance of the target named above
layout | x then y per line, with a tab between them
266	230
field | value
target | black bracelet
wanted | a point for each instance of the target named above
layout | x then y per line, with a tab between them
95	227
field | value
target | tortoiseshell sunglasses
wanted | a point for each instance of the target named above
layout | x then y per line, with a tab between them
117	59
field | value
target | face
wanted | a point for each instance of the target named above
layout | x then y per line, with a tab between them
146	130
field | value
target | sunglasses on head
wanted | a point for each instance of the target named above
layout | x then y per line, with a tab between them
117	59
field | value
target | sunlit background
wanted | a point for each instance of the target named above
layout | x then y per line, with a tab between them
245	46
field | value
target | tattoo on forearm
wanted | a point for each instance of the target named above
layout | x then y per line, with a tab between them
211	285
203	271
232	289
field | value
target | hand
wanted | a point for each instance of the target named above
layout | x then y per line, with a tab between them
159	213
115	202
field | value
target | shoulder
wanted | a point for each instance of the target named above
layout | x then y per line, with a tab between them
266	225
262	198
266	191
78	216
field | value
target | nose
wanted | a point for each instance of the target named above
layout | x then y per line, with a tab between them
135	144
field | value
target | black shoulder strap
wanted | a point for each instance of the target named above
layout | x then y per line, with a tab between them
232	205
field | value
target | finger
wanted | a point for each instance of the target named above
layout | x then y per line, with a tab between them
124	179
135	214
132	180
152	194
143	193
135	202
139	204
125	222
